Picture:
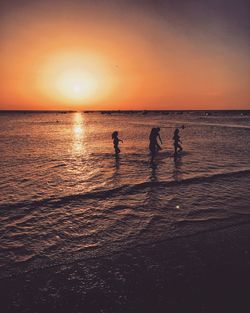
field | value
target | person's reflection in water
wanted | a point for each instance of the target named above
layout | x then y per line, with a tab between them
153	176
117	161
177	173
152	195
116	173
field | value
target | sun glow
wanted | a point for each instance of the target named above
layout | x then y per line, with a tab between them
75	84
75	77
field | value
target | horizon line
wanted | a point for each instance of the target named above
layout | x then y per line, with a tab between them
119	110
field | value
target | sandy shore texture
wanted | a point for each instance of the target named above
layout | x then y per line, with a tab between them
209	272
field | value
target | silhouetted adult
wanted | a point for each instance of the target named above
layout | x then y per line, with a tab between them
158	136
153	142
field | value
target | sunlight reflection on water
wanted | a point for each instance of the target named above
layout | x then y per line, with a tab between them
78	132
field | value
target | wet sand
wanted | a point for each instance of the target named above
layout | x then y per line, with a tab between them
209	272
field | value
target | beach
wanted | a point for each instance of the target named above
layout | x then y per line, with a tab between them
85	231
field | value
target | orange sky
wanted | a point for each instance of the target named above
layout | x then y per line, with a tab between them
106	57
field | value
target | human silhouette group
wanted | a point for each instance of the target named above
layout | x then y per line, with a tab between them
154	142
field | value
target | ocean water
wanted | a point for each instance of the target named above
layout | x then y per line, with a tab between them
64	197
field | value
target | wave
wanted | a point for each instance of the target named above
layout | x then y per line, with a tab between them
121	190
192	180
210	124
174	123
77	256
59	165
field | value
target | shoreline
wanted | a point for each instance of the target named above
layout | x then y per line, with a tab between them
208	272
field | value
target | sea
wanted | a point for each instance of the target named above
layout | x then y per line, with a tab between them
65	196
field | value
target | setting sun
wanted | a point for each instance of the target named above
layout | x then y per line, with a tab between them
76	85
74	77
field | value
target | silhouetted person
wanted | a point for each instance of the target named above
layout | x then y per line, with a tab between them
153	142
158	136
177	141
116	141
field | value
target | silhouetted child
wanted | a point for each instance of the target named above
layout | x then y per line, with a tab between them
116	141
177	141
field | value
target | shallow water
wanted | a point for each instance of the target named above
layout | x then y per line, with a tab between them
65	197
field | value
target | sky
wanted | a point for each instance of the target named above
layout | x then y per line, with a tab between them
124	54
